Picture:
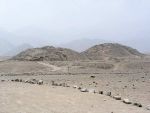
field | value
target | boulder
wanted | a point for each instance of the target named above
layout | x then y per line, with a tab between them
92	76
32	82
137	104
83	90
101	92
67	85
127	101
148	107
75	86
64	84
20	80
108	93
2	80
40	82
26	81
79	88
53	83
91	90
117	97
17	80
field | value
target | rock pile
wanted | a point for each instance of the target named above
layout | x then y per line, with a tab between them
31	81
59	84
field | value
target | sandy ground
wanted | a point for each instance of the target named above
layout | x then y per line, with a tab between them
26	98
129	78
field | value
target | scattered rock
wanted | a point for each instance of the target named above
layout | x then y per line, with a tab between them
60	84
56	84
125	86
105	100
92	76
2	80
127	101
108	93
53	83
148	107
137	104
133	87
75	86
40	82
32	82
64	84
107	84
101	92
79	88
26	81
20	80
67	85
83	90
117	97
17	80
91	91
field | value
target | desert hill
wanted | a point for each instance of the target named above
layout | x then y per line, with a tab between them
49	53
97	52
110	50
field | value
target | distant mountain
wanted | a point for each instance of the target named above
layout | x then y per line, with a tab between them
141	44
110	50
36	36
82	44
5	46
9	42
5	43
48	53
16	50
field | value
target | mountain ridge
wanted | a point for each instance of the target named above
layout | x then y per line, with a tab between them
106	50
97	52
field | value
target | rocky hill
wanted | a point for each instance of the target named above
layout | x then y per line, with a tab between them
97	52
110	50
49	53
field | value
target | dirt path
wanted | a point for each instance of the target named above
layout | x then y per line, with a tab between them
53	67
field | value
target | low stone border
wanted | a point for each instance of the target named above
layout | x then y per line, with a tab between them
84	90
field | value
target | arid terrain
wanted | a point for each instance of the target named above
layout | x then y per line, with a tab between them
79	86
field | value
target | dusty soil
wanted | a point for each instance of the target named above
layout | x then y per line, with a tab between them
26	98
129	78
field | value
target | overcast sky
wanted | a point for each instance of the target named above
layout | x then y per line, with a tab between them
57	21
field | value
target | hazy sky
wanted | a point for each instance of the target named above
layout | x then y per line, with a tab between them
40	21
